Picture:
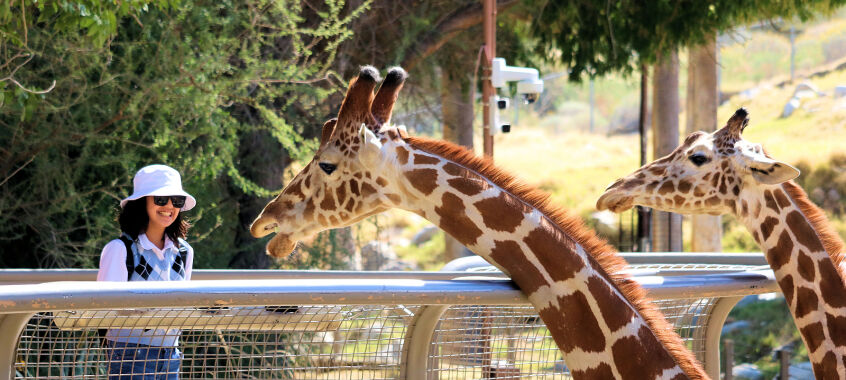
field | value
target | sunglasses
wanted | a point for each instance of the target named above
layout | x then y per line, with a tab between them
177	200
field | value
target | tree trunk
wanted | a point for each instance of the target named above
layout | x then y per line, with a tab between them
666	227
457	112
702	101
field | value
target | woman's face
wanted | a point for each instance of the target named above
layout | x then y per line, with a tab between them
161	216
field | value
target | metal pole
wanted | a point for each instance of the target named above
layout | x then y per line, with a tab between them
643	213
784	359
489	26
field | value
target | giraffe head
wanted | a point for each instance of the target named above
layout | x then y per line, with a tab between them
704	175
337	188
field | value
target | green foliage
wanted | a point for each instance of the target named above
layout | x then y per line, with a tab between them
595	38
140	82
770	326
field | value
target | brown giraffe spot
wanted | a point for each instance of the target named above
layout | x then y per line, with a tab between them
836	329
806	266
827	367
602	371
724	165
333	220
679	200
422	159
322	220
757	237
424	180
454	170
502	213
613	308
367	189
381	182
641	357
730	204
698	191
781	198
307	181
510	256
706	177
466	186
341	193
735	190
680	376
357	175
295	189
770	201
723	188
767	227
574	321
780	254
651	186
757	209
455	221
831	285
350	205
713	201
744	208
657	171
666	187
392	134
394	198
806	301
402	155
631	184
715	180
684	186
803	231
786	285
328	202
559	261
354	187
814	335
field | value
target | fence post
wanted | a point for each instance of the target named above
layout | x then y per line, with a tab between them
728	344
10	330
784	362
418	339
713	330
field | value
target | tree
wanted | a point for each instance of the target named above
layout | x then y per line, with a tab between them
189	84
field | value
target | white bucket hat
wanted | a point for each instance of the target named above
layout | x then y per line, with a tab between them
159	180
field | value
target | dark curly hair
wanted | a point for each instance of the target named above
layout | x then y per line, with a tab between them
133	220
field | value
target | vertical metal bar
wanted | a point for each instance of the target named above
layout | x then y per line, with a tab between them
489	26
11	326
713	329
729	346
418	339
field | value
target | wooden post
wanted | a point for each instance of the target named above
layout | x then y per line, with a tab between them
666	227
784	362
489	27
728	345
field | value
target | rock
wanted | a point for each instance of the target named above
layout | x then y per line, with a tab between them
376	255
747	372
737	325
424	235
806	90
802	371
791	106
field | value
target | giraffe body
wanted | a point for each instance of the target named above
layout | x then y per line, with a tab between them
721	173
601	321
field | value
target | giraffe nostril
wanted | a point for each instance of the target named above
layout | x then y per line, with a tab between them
271	226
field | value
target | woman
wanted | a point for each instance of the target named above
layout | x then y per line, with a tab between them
151	248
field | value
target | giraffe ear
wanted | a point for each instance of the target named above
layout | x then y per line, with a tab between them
771	172
370	149
328	128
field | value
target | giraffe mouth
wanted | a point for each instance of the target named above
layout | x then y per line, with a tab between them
614	201
280	246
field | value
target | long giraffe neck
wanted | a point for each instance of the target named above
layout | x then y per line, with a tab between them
806	257
600	320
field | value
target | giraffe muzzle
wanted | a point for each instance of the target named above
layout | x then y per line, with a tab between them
614	201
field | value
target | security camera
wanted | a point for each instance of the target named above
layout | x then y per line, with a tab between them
529	84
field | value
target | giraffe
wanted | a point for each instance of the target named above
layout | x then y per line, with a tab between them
599	318
721	173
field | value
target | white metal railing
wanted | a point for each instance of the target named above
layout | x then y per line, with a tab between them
345	324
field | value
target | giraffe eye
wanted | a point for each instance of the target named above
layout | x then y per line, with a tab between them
698	159
327	167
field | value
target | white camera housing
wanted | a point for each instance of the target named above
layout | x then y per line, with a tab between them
528	79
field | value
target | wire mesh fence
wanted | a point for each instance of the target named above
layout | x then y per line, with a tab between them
314	342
